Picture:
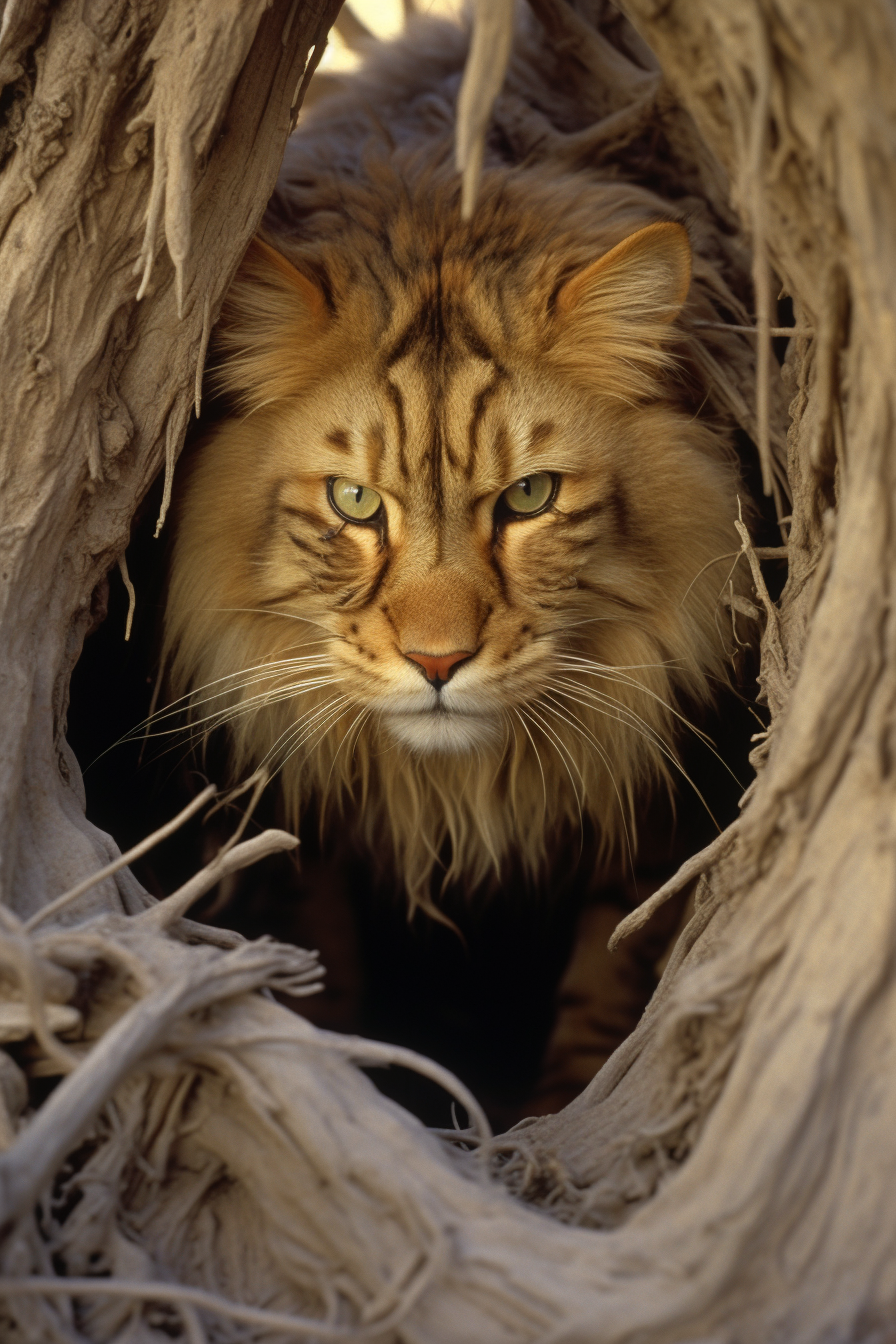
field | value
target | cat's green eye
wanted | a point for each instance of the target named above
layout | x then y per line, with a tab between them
357	503
531	494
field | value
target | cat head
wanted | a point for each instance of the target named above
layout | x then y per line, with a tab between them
448	556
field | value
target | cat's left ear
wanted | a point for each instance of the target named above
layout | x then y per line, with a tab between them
614	316
269	338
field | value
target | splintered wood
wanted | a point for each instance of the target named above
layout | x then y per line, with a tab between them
212	1167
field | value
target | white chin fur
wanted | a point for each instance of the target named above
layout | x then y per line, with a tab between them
446	732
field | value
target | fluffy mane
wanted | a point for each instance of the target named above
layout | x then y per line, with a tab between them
375	338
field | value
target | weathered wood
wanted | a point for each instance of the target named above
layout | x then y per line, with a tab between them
733	1161
139	147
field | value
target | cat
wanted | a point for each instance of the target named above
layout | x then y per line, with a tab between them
447	567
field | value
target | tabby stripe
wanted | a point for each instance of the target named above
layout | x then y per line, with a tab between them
375	450
292	596
609	595
310	550
437	444
480	403
618	503
540	433
417	329
499	572
338	439
312	519
471	337
501	450
576	516
394	395
378	582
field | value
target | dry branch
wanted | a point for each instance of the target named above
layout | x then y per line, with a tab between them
737	1152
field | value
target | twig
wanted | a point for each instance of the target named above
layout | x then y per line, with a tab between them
37	1153
203	350
483	76
762	278
177	1293
229	860
123	860
169	474
132	596
374	1053
695	867
754	331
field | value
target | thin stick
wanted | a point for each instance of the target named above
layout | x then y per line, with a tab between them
228	861
483	76
762	277
132	596
372	1053
124	859
169	474
754	331
694	867
203	350
176	1293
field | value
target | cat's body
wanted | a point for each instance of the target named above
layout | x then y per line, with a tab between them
449	566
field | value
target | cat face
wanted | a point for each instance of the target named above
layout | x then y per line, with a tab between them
450	557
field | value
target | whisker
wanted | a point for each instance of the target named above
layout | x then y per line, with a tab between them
552	737
297	734
322	726
576	724
287	615
702	737
656	741
367	709
607	674
709	564
544	786
249	705
172	707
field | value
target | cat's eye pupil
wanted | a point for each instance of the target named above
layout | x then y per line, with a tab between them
531	494
356	503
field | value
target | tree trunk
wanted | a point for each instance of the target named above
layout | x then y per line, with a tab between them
130	130
728	1171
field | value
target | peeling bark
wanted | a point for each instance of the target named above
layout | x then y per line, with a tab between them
148	138
727	1175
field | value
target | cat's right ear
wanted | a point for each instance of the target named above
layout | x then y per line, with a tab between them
268	336
614	318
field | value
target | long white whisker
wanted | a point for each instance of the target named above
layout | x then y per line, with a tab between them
576	724
172	707
649	736
298	733
365	710
698	733
608	674
249	705
552	737
544	786
322	726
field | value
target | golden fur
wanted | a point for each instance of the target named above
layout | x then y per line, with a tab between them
382	340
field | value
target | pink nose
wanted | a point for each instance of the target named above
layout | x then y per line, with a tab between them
439	666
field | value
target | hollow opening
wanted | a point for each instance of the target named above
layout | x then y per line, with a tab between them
521	998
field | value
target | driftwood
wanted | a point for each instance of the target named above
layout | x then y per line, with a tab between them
211	1165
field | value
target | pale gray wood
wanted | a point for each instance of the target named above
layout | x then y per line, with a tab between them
732	1165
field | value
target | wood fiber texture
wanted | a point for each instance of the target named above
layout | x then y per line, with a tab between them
213	1167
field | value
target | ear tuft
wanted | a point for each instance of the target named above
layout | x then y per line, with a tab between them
614	316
